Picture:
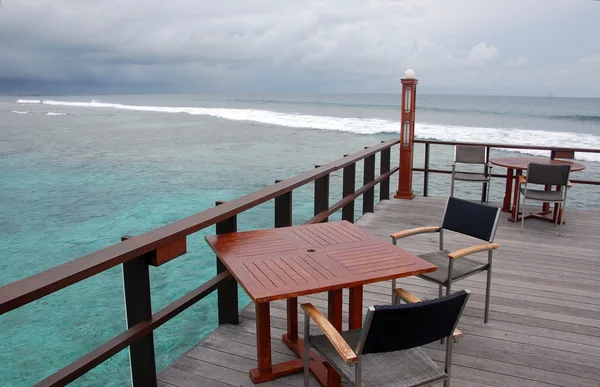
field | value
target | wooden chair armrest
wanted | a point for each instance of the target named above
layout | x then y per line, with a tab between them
406	296
473	249
522	179
340	345
569	184
410	298
457	335
414	231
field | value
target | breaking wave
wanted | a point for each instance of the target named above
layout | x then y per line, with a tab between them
45	113
368	126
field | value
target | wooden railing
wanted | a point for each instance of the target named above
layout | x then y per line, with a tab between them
163	244
554	152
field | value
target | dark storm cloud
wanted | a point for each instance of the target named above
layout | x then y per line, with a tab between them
533	47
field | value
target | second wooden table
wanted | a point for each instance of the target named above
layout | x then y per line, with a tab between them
287	262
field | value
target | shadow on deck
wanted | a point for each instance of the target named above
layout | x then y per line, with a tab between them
544	327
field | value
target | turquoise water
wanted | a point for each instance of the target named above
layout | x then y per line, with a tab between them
97	168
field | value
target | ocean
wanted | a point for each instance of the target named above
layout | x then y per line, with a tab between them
79	172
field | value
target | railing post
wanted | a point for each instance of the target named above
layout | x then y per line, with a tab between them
348	188
369	176
384	186
321	194
426	172
138	308
227	294
283	209
486	171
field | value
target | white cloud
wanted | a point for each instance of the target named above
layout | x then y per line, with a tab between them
481	54
590	59
520	61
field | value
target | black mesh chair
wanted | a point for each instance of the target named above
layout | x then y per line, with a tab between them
473	219
385	351
471	155
545	174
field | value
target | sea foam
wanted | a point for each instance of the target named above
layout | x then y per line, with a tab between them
369	126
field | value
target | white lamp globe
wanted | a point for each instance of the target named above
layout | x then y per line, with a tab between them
409	74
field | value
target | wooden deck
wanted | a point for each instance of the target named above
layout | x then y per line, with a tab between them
544	327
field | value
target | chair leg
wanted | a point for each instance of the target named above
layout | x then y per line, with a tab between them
563	207
556	222
452	187
522	216
358	373
441	293
394	297
488	286
562	216
306	349
448	361
559	216
481	201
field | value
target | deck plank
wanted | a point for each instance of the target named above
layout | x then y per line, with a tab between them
544	327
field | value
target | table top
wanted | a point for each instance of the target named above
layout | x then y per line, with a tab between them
523	162
287	262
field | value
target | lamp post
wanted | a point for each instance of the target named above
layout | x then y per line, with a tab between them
407	135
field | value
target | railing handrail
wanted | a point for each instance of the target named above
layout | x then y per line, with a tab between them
29	289
105	351
508	146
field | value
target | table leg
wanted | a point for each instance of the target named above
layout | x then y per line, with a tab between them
267	371
291	339
546	205
355	309
263	344
508	191
325	375
292	319
514	212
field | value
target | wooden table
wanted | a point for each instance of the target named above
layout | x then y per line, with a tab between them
520	164
287	262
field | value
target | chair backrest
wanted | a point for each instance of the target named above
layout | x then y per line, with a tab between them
470	154
550	174
473	219
396	327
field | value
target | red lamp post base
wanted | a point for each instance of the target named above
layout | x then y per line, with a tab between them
404	195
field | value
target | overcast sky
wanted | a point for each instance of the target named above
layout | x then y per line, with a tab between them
514	47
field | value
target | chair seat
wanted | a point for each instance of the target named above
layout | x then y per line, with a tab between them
461	268
466	176
410	367
538	194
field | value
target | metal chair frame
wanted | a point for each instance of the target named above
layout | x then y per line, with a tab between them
361	343
563	183
470	154
489	247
